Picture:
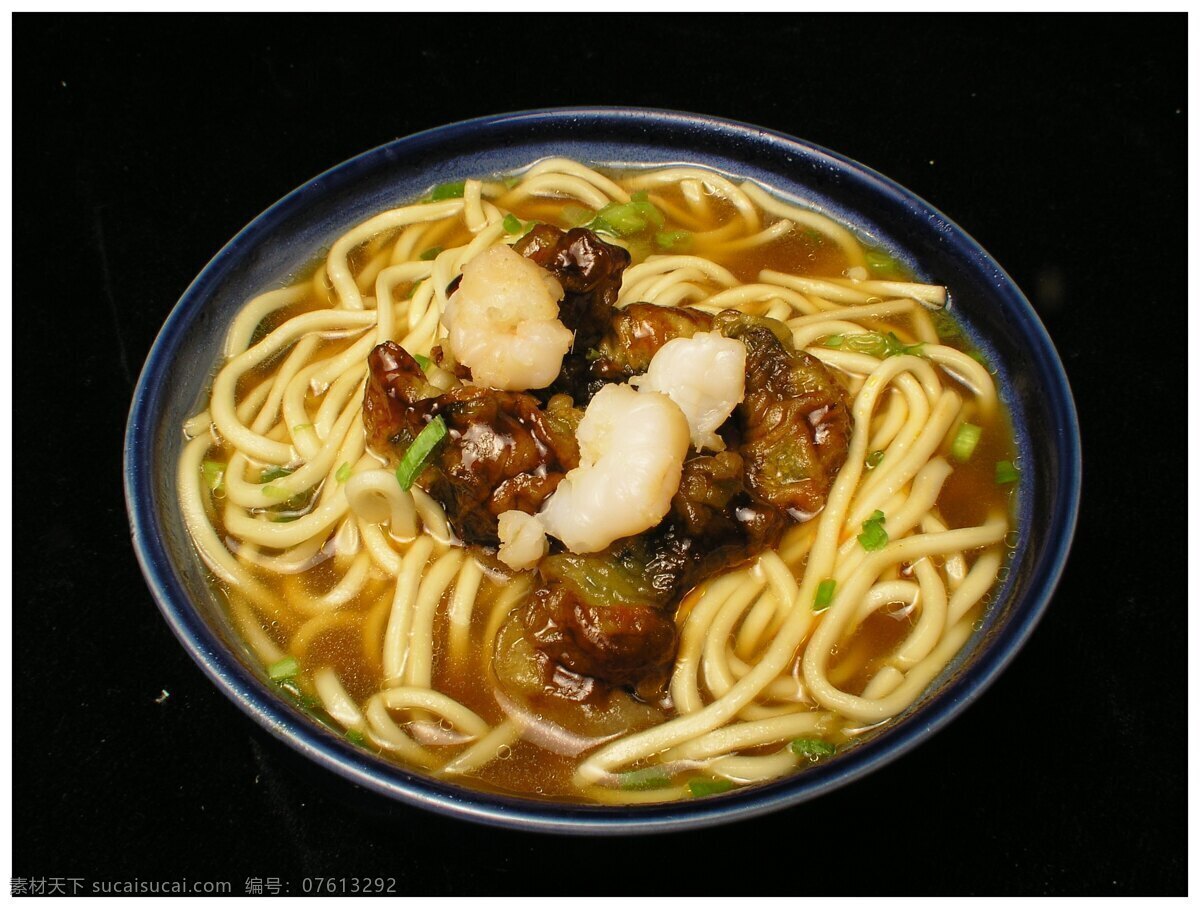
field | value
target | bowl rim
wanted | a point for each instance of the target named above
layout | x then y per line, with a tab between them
377	775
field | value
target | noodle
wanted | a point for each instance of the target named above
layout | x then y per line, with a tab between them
307	532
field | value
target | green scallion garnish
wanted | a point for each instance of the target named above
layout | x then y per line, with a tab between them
214	474
877	344
423	361
354	737
343	473
965	441
675	240
882	264
824	595
629	218
283	669
453	190
1006	472
420	451
432	253
512	224
874	537
645	778
274	472
834	341
701	787
874	459
300	427
577	215
813	749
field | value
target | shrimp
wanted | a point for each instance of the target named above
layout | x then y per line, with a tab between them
631	450
522	540
503	322
706	376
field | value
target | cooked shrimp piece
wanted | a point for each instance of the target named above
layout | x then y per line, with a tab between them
706	376
522	540
631	450
503	321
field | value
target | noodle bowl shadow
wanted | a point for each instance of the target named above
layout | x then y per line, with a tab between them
281	242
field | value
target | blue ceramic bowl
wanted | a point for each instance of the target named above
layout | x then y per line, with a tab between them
285	237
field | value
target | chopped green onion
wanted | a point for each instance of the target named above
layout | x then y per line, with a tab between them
355	737
1006	472
978	357
702	787
511	181
834	341
644	207
343	473
814	236
300	427
646	778
824	595
577	215
453	190
274	472
678	240
879	345
423	361
214	474
283	669
629	218
873	537
965	441
882	263
419	452
813	749
432	253
944	325
592	355
274	492
512	224
874	459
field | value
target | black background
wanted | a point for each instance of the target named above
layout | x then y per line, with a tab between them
142	144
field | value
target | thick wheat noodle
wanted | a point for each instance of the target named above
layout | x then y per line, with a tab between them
486	750
246	323
738	297
336	700
685	690
932	621
375	497
385	733
557	185
755	769
849	244
221	403
718	184
348	586
954	566
337	264
395	640
739	736
462	605
419	667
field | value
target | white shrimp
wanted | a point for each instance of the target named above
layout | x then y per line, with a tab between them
503	321
631	450
706	376
522	540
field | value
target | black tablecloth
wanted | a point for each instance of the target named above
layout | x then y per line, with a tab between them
142	144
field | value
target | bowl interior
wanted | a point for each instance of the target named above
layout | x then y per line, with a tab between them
283	240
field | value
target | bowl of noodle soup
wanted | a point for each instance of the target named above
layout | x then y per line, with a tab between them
360	611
